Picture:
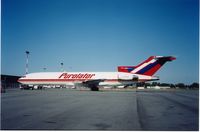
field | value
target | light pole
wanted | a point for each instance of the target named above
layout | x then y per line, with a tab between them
61	66
27	53
44	69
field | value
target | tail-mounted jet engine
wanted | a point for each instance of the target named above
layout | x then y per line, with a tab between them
128	77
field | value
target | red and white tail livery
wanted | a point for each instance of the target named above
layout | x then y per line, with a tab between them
149	67
126	75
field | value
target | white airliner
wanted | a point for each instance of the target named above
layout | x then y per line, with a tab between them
126	75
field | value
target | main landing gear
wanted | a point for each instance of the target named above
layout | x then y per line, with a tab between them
94	88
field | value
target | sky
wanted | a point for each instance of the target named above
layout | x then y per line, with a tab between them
99	35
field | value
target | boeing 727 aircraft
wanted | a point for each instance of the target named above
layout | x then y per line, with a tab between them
126	75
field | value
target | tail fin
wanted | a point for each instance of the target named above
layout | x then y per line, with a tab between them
148	67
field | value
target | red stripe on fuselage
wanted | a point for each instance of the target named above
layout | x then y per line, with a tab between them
50	80
71	80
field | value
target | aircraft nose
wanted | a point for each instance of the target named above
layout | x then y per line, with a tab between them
21	78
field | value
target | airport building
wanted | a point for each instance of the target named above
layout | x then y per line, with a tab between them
8	81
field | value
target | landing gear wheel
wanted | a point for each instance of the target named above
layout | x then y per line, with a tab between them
94	88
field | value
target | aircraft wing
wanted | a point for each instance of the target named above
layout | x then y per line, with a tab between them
93	84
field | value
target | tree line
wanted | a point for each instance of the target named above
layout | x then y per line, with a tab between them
194	85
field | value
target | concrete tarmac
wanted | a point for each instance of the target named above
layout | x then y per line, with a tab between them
65	109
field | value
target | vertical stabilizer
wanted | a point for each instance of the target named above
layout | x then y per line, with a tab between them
148	67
